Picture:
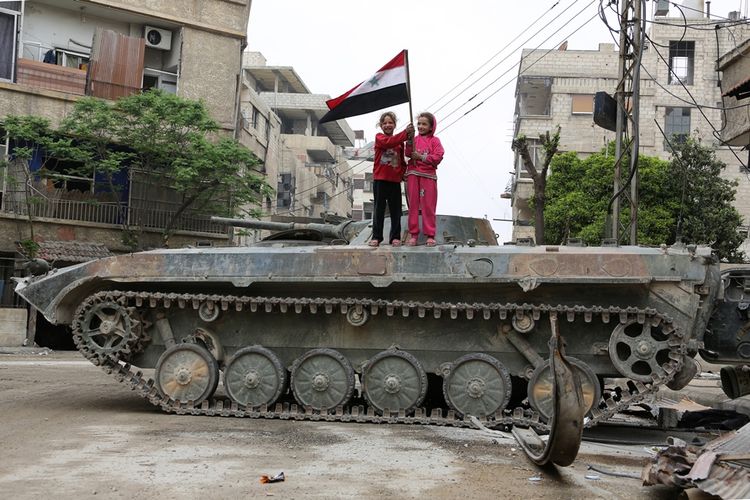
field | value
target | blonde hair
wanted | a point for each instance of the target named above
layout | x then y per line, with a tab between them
390	114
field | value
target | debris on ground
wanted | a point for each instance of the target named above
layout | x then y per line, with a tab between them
264	479
722	467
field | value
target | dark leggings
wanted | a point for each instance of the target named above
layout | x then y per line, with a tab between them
386	192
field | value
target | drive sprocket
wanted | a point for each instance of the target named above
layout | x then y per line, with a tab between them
104	326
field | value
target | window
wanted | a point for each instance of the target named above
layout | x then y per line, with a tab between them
534	96
157	79
9	18
368	208
536	151
66	175
681	62
359	183
71	59
284	190
676	125
367	188
256	117
582	104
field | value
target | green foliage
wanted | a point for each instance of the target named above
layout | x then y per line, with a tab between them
29	248
161	135
685	196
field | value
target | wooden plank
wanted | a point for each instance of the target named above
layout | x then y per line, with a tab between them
116	66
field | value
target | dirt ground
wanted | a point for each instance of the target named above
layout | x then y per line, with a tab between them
69	430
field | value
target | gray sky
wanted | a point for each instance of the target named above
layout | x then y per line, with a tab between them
335	44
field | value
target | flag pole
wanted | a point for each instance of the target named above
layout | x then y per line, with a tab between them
408	84
411	114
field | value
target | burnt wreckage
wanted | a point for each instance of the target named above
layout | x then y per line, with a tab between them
313	324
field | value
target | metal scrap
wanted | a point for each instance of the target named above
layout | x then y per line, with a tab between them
722	467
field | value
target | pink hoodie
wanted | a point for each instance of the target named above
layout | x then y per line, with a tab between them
434	149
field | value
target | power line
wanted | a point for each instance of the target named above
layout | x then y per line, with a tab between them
520	73
516	64
464	80
697	10
501	60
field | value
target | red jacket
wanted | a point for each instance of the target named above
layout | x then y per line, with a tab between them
433	148
389	157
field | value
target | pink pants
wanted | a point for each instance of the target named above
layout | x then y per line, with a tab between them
422	194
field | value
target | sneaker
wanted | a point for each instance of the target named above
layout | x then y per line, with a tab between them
412	241
396	243
374	243
431	242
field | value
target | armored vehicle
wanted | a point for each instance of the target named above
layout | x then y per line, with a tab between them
313	323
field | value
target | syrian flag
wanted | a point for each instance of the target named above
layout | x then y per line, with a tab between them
388	87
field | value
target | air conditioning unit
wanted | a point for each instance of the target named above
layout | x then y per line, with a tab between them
157	38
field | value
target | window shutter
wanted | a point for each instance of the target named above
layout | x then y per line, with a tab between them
116	67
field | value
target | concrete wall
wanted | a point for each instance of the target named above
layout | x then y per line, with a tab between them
12	326
210	70
227	16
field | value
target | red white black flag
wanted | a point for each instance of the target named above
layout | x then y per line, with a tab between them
387	87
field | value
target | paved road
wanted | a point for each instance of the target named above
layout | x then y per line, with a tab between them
69	430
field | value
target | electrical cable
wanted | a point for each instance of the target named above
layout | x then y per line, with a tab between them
697	10
477	80
445	117
514	79
716	133
682	99
498	53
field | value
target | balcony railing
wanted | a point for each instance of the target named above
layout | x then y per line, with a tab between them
109	213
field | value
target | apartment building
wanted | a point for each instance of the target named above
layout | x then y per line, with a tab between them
53	52
304	159
557	88
361	163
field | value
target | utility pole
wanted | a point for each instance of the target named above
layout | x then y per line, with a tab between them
626	95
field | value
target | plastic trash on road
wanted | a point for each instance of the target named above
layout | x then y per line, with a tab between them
272	479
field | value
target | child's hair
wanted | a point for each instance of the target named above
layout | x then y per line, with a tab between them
390	114
430	117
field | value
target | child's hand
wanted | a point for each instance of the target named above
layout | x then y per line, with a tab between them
410	130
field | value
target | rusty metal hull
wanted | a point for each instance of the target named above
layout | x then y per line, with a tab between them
675	282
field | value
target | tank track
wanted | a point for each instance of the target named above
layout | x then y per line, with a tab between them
619	399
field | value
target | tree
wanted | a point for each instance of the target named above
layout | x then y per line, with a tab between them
705	199
93	125
166	138
538	176
32	137
685	197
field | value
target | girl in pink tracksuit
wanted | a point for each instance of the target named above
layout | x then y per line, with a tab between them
426	153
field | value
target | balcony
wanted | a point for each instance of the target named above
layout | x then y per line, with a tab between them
51	76
318	148
109	213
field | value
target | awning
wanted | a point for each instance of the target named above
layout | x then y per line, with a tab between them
71	251
739	91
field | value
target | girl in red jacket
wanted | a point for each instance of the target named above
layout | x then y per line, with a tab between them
426	153
388	170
